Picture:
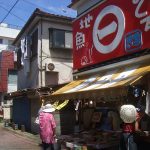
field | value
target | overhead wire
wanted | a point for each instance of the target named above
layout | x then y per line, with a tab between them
30	3
33	4
9	11
13	14
8	5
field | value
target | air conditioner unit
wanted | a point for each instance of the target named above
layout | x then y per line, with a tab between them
49	67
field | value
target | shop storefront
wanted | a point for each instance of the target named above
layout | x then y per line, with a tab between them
111	68
99	97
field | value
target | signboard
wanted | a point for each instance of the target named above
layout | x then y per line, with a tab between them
113	29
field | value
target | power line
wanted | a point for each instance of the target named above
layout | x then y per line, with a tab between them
12	14
35	5
16	7
9	11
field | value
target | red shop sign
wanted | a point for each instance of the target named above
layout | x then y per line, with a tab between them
113	29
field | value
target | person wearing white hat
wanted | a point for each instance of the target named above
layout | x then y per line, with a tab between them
128	115
47	126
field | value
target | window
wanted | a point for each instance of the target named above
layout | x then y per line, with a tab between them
60	38
10	42
34	43
1	41
12	77
12	80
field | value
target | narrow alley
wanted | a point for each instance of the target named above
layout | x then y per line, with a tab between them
12	141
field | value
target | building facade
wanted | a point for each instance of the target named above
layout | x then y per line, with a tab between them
8	66
44	51
7	35
44	59
111	58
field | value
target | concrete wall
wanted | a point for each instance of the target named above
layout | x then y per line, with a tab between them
61	58
28	80
29	72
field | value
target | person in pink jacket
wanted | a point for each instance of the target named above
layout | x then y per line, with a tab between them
47	127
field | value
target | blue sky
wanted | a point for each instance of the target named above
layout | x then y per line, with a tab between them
24	8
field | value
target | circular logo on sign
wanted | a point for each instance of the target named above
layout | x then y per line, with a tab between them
99	34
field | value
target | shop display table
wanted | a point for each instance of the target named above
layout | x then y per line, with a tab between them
90	141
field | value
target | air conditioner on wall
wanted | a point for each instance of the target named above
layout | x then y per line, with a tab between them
49	66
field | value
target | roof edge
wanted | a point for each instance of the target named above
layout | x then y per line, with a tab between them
40	13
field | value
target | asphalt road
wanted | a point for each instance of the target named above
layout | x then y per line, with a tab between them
12	141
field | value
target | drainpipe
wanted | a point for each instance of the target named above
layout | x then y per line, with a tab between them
41	54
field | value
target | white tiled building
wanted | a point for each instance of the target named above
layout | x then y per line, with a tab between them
7	35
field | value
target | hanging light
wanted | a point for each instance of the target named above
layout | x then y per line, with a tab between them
91	102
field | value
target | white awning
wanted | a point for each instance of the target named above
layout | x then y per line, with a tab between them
117	78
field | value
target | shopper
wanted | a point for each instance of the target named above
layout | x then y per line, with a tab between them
128	115
47	127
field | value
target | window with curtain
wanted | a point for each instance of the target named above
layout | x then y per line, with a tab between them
60	38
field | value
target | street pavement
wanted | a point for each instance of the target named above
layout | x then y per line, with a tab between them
10	140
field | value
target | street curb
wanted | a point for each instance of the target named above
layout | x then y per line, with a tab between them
31	137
